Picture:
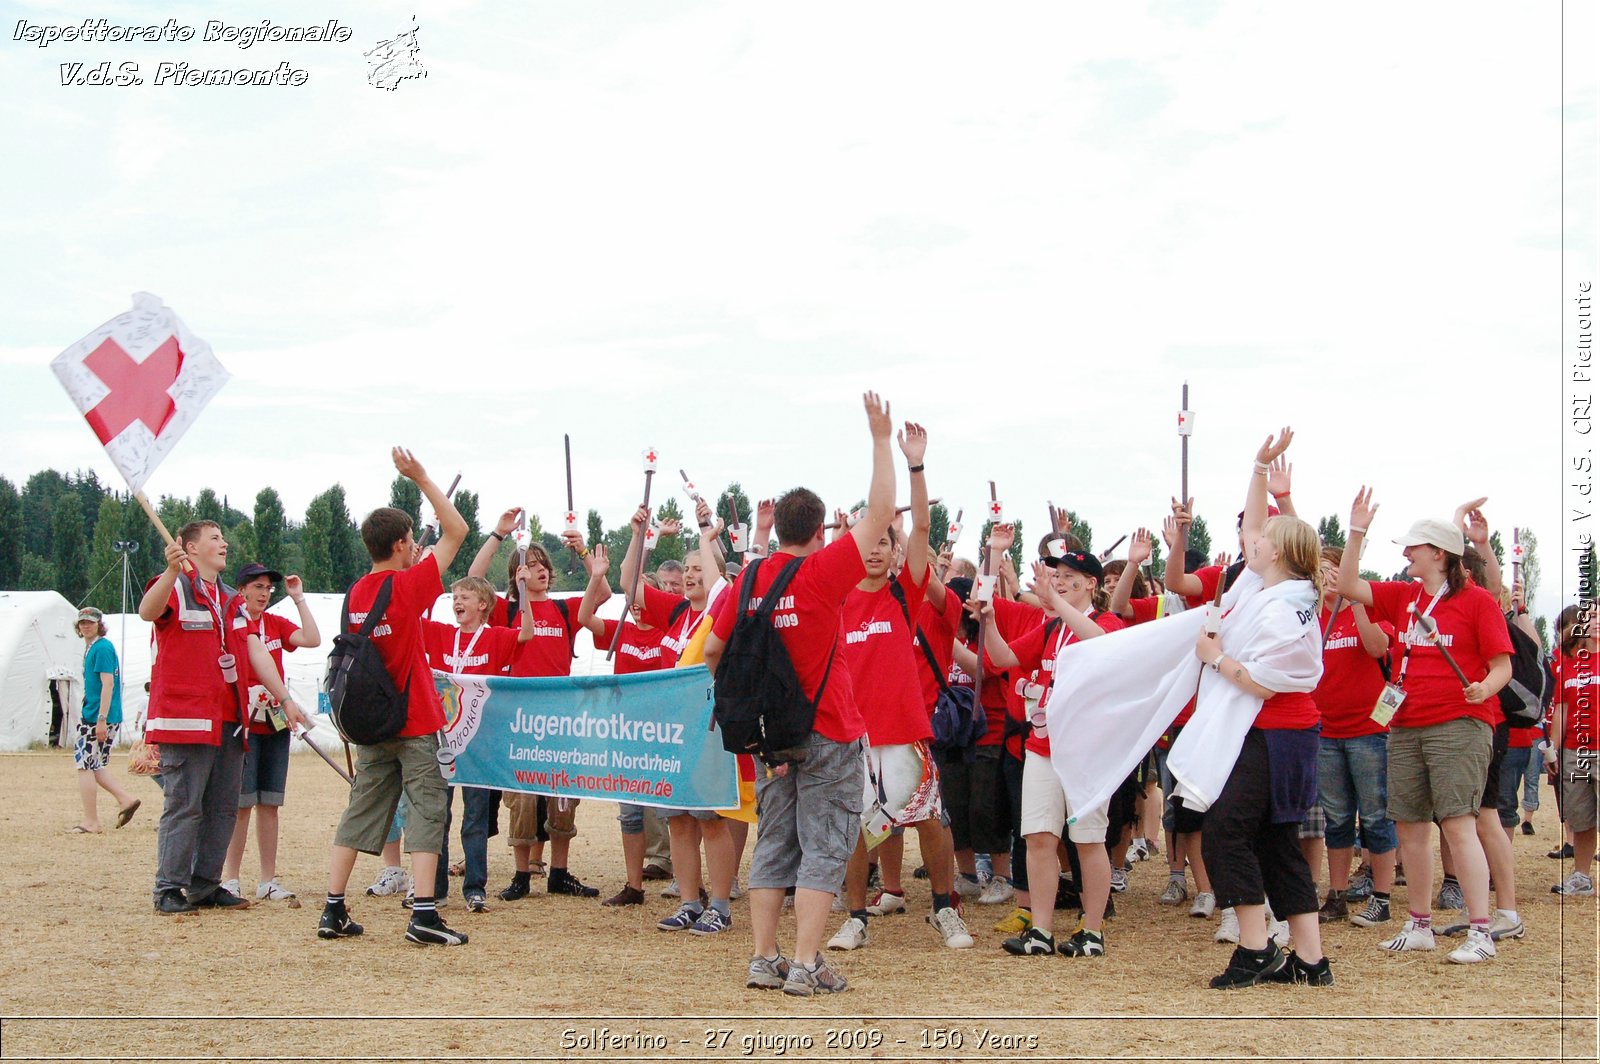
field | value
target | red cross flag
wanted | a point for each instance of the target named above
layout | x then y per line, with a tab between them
140	380
1186	423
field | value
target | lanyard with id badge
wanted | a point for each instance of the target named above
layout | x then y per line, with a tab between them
1394	692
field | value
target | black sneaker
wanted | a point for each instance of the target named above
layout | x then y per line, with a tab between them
1247	967
1561	853
1084	943
336	923
569	884
431	931
1031	943
220	899
1527	827
516	890
1334	907
1295	970
922	872
1067	896
172	902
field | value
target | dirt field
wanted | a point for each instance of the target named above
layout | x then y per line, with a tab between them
564	979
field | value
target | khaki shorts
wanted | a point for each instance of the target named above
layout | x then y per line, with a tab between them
1044	805
383	771
1437	772
525	810
1580	778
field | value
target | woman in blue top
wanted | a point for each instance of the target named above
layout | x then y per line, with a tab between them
97	730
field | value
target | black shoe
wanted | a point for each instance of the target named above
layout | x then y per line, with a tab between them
516	890
336	923
1564	852
1334	907
425	931
172	902
1295	970
626	896
1067	896
567	883
1527	827
1247	967
220	899
656	872
920	873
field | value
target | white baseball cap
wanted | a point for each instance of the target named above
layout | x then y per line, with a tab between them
1434	533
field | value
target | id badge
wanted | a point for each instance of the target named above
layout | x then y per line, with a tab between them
276	717
1388	702
876	825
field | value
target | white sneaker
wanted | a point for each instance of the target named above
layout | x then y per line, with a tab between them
1119	881
852	935
1139	850
272	890
969	888
886	903
1228	929
1503	926
1205	905
948	923
392	880
998	892
1411	937
1577	885
671	889
1278	932
1479	947
231	886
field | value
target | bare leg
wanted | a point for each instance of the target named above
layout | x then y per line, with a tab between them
1096	866
340	864
108	782
721	864
934	840
1190	841
1314	851
1252	926
685	842
1044	867
1307	934
1339	868
86	791
1415	840
633	859
891	854
811	909
267	840
766	903
241	835
1501	858
1472	867
855	880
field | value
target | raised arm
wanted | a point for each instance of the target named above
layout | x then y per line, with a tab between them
1138	554
491	543
452	526
914	445
1351	586
994	643
154	602
761	541
1477	532
1177	580
880	496
1278	485
1255	499
630	560
1373	639
598	592
307	635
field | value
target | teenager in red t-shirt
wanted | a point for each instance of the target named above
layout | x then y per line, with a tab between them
1440	739
809	812
1069	587
408	763
1572	735
266	761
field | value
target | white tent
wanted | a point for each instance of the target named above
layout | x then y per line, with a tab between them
38	646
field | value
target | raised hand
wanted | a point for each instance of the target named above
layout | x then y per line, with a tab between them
1002	538
1279	476
1171	533
878	420
947	557
406	464
913	440
1275	446
1063	521
1362	510
1478	530
572	540
508	521
1466	508
1183	512
294	586
766	513
599	561
1222	560
671	527
702	513
1139	548
640	518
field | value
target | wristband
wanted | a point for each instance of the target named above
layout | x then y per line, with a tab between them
1262	469
498	535
1354	530
583	552
915	469
1280	495
1216	666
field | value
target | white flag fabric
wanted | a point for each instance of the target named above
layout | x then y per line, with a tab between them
140	380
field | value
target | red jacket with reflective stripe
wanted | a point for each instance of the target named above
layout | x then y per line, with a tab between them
189	700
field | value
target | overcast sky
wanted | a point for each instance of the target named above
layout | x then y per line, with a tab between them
707	227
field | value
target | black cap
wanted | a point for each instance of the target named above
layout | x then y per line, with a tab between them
960	586
252	570
1079	561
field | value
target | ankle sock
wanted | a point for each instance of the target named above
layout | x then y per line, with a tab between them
721	905
1480	925
1509	914
421	906
940	901
1422	921
860	914
336	899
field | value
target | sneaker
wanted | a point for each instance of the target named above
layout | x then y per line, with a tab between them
1139	850
477	903
172	902
767	973
1298	971
1577	885
626	896
998	892
272	890
1247	967
886	903
1360	884
803	981
949	924
1478	947
852	934
1067	896
1450	896
922	871
736	891
1084	943
1031	943
1017	923
1527	827
392	880
433	932
570	885
1411	937
1205	905
1228	928
671	890
516	890
1177	891
336	923
231	886
1375	913
681	920
984	863
711	922
969	886
1561	853
1119	881
654	871
1334	907
1503	926
411	897
1277	931
1458	925
220	898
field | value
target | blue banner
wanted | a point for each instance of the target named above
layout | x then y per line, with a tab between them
643	738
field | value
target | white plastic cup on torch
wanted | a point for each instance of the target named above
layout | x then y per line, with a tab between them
650	457
571	520
986	585
737	535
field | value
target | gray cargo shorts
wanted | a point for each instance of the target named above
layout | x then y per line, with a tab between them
808	820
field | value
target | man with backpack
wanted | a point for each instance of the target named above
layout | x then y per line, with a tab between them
395	726
810	733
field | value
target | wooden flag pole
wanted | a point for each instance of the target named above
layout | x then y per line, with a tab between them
429	530
1338	604
1184	430
638	571
983	621
566	442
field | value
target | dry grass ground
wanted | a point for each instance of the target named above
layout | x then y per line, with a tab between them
81	943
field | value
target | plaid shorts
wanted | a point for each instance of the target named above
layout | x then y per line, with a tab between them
1315	825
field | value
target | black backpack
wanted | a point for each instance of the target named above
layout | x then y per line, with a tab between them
958	723
365	705
760	705
1526	697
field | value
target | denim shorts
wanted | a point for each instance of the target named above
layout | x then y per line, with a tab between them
266	770
1352	780
631	817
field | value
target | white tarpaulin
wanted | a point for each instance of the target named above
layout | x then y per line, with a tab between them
37	645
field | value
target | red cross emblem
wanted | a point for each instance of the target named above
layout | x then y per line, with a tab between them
1516	552
955	530
137	391
995	509
1181	419
650	456
571	518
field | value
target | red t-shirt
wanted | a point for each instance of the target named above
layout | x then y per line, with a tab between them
640	650
1578	692
1351	679
486	652
808	621
549	652
992	699
1037	650
1209	578
1523	738
880	651
940	630
274	632
1471	626
1012	620
674	617
398	637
